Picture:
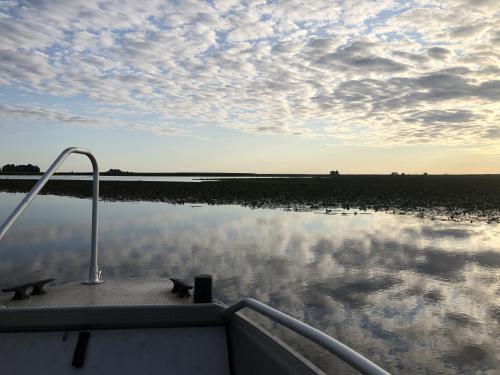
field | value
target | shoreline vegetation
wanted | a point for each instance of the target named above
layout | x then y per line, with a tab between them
332	174
168	174
442	197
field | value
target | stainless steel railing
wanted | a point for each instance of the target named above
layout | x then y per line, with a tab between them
353	358
95	275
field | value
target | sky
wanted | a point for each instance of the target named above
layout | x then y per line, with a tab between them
253	86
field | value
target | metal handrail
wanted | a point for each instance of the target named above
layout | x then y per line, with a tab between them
95	275
353	358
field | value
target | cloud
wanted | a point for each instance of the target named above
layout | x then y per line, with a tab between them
43	114
62	117
364	68
468	31
440	116
358	56
24	68
439	53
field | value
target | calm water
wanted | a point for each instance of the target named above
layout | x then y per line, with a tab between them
416	296
132	178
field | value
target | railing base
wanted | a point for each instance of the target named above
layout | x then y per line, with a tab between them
95	276
90	282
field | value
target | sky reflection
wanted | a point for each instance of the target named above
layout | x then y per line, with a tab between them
414	295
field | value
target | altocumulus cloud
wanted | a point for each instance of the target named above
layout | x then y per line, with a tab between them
366	72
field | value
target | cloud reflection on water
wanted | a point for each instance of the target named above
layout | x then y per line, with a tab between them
414	295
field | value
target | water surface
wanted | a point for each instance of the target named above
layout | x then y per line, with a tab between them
198	178
414	295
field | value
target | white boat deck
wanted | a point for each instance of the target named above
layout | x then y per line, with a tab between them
122	292
138	326
181	339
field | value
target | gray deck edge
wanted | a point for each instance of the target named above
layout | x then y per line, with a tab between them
109	317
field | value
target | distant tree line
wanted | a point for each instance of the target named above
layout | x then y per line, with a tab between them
403	174
11	168
30	168
115	172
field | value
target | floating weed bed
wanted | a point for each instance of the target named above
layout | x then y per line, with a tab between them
452	198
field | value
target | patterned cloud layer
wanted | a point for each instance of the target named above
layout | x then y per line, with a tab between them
360	72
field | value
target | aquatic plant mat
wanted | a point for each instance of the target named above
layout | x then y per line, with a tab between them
457	197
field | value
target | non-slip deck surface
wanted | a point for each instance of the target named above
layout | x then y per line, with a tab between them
121	292
176	351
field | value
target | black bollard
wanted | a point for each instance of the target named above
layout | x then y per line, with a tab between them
202	289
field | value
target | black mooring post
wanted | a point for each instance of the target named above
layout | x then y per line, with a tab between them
202	289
